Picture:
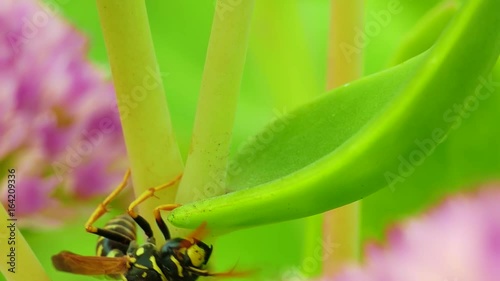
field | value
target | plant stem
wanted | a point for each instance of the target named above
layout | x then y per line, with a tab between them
26	265
345	59
280	47
153	152
206	164
341	226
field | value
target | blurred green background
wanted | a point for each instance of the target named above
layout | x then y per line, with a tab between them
282	60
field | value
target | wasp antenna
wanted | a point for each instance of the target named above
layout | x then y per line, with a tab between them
200	232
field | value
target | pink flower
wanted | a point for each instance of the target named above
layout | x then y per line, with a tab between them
59	123
458	241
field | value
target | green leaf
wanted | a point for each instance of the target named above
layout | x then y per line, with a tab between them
467	159
426	32
357	139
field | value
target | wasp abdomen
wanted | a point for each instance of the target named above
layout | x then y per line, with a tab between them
122	224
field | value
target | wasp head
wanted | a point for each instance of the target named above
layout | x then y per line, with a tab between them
199	253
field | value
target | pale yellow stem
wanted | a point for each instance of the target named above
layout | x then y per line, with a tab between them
152	150
345	64
206	164
345	59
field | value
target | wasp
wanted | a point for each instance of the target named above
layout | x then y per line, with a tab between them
120	257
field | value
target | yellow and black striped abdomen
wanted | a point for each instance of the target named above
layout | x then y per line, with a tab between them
122	224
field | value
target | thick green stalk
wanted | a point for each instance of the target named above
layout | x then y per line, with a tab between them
25	265
279	45
345	55
341	226
290	74
206	164
153	153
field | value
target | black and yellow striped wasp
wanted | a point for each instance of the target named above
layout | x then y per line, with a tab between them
119	256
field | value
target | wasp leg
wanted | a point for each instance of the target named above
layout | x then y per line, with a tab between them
101	210
199	233
204	272
145	195
231	273
160	222
199	272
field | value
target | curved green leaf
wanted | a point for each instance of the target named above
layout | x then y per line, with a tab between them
359	138
467	159
426	32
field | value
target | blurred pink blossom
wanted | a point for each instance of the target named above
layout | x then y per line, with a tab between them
457	241
59	123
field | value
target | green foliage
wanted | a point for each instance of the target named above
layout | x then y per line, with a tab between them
348	144
469	155
286	171
426	32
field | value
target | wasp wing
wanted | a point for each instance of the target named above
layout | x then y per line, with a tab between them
90	265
